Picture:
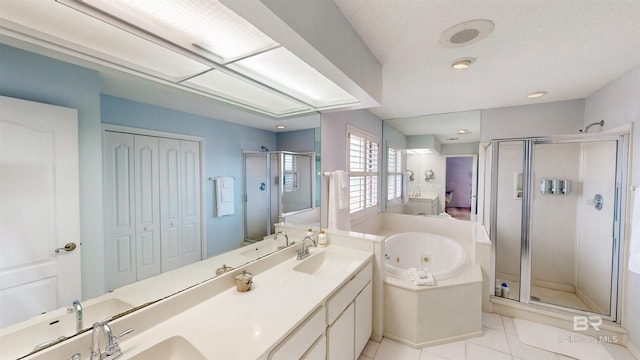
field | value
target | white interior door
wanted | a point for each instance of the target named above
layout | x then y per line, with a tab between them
39	209
170	204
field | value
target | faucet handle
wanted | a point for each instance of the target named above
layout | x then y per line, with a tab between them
126	332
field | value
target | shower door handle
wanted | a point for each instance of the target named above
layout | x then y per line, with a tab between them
597	201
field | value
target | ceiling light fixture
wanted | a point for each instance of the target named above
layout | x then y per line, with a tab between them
537	94
464	132
238	64
280	126
463	63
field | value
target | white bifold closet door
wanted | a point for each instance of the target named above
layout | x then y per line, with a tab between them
180	203
132	216
152	199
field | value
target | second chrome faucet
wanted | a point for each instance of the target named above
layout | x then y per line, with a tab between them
303	252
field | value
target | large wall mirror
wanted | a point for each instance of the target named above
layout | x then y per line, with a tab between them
41	330
440	164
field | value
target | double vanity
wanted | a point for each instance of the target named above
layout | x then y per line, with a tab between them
315	308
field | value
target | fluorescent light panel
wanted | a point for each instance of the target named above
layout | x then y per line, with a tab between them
209	24
419	151
243	92
282	70
99	39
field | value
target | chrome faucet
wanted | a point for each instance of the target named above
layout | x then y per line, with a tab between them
304	251
76	307
286	239
112	348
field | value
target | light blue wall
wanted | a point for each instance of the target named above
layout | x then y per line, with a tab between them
223	146
37	78
299	140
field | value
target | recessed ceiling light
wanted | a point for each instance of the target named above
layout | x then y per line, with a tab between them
463	63
280	126
464	131
537	94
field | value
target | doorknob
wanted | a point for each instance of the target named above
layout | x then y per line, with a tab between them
68	247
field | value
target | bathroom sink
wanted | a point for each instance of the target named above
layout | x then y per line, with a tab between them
45	328
326	262
175	347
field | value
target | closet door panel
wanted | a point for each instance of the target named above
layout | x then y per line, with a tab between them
147	193
170	203
191	238
119	209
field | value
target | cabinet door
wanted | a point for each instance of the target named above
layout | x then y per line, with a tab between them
147	206
318	350
119	209
340	336
191	227
363	318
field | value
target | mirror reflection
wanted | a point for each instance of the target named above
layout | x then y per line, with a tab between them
440	168
133	279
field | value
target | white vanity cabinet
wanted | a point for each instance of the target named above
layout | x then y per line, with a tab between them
349	317
303	342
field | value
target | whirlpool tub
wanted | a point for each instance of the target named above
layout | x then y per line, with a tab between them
442	257
448	311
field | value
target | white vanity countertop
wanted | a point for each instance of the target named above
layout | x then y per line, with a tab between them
424	196
235	325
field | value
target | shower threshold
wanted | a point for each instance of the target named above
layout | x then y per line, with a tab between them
550	296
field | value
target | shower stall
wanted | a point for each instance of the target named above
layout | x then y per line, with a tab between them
276	184
556	218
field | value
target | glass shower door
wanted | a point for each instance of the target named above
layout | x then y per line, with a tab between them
257	203
572	237
507	214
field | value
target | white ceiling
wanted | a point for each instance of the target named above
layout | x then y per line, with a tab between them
570	48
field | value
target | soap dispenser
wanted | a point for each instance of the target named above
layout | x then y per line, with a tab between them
322	239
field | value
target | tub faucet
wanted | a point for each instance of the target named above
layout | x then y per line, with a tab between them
304	251
112	348
286	238
76	308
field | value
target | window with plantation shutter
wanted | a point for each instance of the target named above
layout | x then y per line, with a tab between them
290	175
363	173
394	174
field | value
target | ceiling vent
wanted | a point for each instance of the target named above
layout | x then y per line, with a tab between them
466	33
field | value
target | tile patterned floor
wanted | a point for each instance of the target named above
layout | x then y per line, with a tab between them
499	341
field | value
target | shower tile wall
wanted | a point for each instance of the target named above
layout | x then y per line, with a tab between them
553	217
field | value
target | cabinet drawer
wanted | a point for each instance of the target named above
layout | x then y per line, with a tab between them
343	297
302	338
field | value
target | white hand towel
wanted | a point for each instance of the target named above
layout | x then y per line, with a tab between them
343	188
420	277
224	196
634	245
338	218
